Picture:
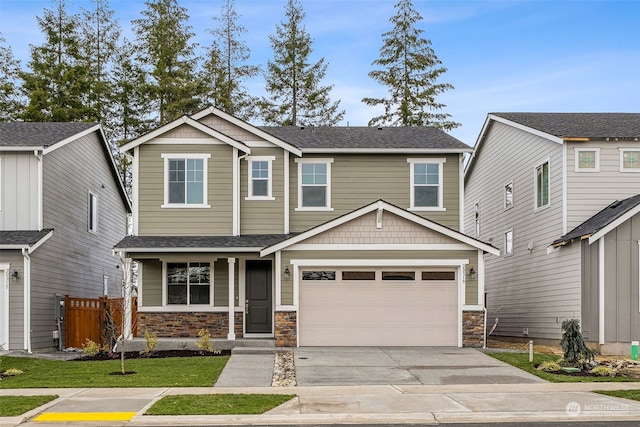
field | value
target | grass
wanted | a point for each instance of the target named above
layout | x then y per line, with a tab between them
521	361
627	394
12	406
217	404
169	372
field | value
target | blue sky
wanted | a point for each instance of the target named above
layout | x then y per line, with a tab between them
501	55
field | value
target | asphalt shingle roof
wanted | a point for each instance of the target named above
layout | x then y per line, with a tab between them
38	134
366	137
586	125
204	242
22	237
600	220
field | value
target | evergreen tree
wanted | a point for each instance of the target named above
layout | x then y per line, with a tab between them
295	95
10	103
166	53
57	83
225	68
410	70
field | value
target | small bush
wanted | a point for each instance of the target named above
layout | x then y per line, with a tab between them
151	342
90	348
549	367
204	340
576	353
13	372
604	371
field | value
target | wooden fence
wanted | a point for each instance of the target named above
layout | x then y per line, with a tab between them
86	318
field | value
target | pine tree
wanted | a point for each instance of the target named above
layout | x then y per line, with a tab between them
295	95
166	53
57	83
225	68
410	70
10	103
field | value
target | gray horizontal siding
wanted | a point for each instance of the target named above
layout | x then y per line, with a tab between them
16	294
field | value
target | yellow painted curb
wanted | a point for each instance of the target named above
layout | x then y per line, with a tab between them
85	416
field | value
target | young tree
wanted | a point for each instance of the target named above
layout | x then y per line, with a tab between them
225	68
166	53
57	83
410	70
295	95
10	102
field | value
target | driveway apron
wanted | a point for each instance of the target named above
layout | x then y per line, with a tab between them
341	366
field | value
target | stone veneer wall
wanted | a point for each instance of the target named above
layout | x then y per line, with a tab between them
286	329
472	328
187	325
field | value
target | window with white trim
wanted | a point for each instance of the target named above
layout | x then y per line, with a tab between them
185	180
314	184
426	192
189	283
629	160
508	195
508	243
542	185
259	180
587	160
476	217
92	223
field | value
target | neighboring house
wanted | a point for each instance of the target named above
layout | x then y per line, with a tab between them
532	179
309	236
62	208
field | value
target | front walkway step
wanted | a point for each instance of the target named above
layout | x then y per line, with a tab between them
253	350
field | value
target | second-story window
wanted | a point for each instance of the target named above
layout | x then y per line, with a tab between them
587	160
508	195
260	178
542	185
185	180
426	192
314	184
476	217
508	243
629	160
93	213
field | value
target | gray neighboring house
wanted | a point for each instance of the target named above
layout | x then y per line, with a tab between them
62	208
558	194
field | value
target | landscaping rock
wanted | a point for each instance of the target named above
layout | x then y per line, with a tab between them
284	370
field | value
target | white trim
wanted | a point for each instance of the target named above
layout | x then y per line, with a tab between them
378	262
601	293
461	192
186	309
387	150
235	195
286	308
135	189
205	179
185	141
188	305
72	138
622	168
39	156
4	301
614	224
287	193
537	208
461	296
231	335
440	162
140	282
327	162
576	159
269	160
481	284
472	307
26	295
379	247
93	214
40	242
277	269
190	250
22	149
564	189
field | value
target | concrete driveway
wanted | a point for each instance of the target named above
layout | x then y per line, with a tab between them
402	365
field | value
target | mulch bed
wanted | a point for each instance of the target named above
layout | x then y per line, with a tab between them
159	354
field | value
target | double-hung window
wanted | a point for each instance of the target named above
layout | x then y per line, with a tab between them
93	213
189	283
260	178
629	160
542	185
185	180
314	184
426	192
587	160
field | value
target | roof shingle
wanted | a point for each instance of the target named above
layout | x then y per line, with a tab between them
201	242
38	134
24	238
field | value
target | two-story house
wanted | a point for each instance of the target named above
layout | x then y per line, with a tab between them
309	236
557	193
62	208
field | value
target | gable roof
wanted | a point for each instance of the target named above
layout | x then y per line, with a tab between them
32	135
602	222
249	242
318	139
381	205
24	239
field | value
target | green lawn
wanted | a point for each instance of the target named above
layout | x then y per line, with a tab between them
627	394
169	372
217	404
521	360
12	406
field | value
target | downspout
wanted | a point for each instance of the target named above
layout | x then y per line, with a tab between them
601	306
38	156
27	299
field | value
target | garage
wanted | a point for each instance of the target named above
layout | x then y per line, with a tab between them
362	306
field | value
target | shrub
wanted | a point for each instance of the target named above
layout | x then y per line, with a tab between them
549	367
576	353
604	371
90	348
12	372
204	340
151	342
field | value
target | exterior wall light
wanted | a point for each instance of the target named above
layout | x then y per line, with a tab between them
15	275
286	273
472	273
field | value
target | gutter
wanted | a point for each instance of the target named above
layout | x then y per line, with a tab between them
27	299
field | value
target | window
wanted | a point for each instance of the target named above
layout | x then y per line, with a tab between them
438	275
314	184
542	185
508	195
398	275
185	180
508	243
188	282
629	160
426	184
476	217
587	160
358	275
93	213
259	180
318	275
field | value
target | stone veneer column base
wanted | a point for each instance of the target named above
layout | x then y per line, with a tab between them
472	328
187	325
286	329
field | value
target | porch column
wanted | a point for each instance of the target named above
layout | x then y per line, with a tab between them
126	273
231	336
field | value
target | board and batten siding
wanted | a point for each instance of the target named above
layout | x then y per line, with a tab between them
590	192
529	289
74	261
18	191
471	296
358	180
154	220
16	297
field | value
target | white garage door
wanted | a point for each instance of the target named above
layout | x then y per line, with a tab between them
378	307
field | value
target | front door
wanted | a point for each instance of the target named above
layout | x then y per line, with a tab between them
258	308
